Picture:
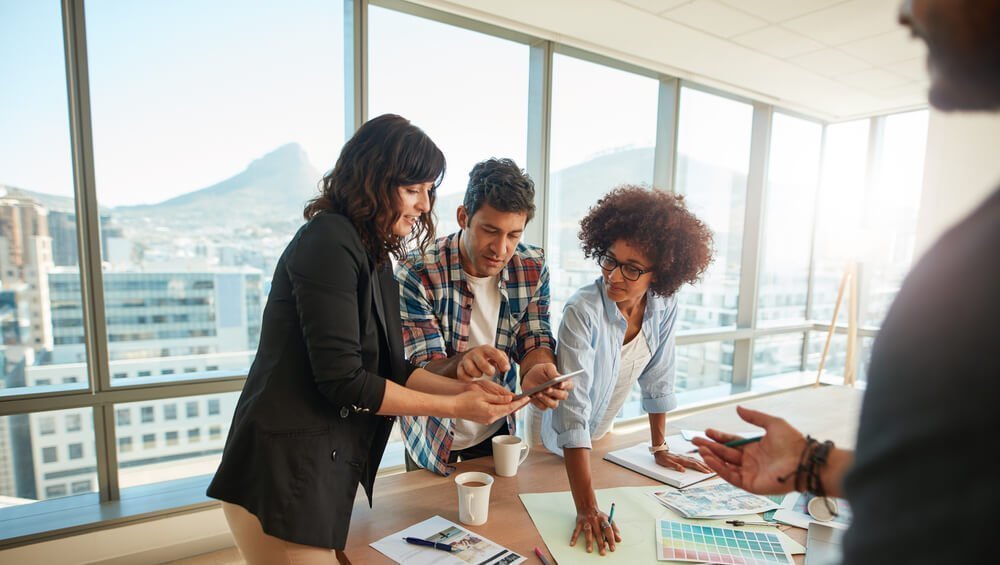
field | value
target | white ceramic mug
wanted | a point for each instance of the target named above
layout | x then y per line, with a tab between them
508	453
473	500
822	508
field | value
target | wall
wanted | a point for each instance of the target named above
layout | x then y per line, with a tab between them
155	541
960	171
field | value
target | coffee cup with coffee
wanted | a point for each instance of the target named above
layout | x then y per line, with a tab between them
473	497
508	454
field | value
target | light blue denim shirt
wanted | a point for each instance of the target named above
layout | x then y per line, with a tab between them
591	336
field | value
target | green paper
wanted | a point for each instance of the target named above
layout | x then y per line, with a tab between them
636	512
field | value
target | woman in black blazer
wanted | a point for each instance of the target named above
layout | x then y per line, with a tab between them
329	376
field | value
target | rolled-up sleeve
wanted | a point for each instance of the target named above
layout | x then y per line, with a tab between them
570	420
324	268
422	338
656	383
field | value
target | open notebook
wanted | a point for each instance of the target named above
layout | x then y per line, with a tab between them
639	459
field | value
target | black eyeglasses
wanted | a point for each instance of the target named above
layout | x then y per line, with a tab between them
630	272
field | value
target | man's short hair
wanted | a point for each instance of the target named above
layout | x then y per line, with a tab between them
501	184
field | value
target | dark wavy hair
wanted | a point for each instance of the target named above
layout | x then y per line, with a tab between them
385	153
659	225
501	184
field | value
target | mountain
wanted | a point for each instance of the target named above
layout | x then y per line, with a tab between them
273	188
51	201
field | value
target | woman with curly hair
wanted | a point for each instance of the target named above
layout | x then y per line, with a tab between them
620	330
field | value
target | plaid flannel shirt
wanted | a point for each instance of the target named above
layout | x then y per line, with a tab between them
436	309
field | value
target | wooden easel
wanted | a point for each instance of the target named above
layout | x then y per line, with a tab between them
850	277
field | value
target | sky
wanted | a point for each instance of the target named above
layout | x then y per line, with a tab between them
185	94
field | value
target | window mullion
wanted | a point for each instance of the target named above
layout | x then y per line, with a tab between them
88	235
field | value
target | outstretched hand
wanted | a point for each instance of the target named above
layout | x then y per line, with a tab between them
756	467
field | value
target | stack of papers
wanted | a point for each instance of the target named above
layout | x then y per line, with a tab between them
469	547
719	500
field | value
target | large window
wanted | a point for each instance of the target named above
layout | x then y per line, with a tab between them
890	209
713	159
467	90
37	208
211	130
603	135
790	195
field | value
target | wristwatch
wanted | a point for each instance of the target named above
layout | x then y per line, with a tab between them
657	448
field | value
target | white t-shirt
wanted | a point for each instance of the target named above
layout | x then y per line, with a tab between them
635	357
482	331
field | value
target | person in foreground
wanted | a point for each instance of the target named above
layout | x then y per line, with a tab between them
620	330
918	483
476	304
329	375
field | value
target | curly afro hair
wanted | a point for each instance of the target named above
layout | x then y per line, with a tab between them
658	224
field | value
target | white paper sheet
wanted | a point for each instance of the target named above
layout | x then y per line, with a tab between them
475	548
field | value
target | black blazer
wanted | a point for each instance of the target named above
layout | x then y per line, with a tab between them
305	433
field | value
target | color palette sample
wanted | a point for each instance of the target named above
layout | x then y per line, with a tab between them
678	541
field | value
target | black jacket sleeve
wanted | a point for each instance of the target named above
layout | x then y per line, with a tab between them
328	270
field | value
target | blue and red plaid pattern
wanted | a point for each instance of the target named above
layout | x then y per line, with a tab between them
436	308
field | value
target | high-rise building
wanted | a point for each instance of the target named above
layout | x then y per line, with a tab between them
161	314
25	260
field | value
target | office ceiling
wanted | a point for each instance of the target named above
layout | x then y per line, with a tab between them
833	59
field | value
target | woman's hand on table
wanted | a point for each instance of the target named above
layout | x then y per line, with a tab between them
679	462
593	520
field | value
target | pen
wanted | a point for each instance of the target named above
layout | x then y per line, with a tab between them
736	442
425	543
541	556
611	518
743	441
745	523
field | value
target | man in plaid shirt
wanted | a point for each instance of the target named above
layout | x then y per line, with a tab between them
475	304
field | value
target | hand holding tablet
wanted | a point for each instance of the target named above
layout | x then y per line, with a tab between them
548	384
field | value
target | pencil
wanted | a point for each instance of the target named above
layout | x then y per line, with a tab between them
541	556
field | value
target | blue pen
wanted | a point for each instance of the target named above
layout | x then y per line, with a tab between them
434	544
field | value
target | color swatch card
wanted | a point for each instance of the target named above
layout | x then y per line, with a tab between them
677	541
713	501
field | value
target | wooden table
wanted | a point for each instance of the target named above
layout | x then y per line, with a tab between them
407	498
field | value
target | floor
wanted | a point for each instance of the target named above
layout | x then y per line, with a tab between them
229	556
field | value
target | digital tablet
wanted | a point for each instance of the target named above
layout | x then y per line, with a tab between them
547	384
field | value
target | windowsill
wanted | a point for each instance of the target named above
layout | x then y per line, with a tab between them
61	517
